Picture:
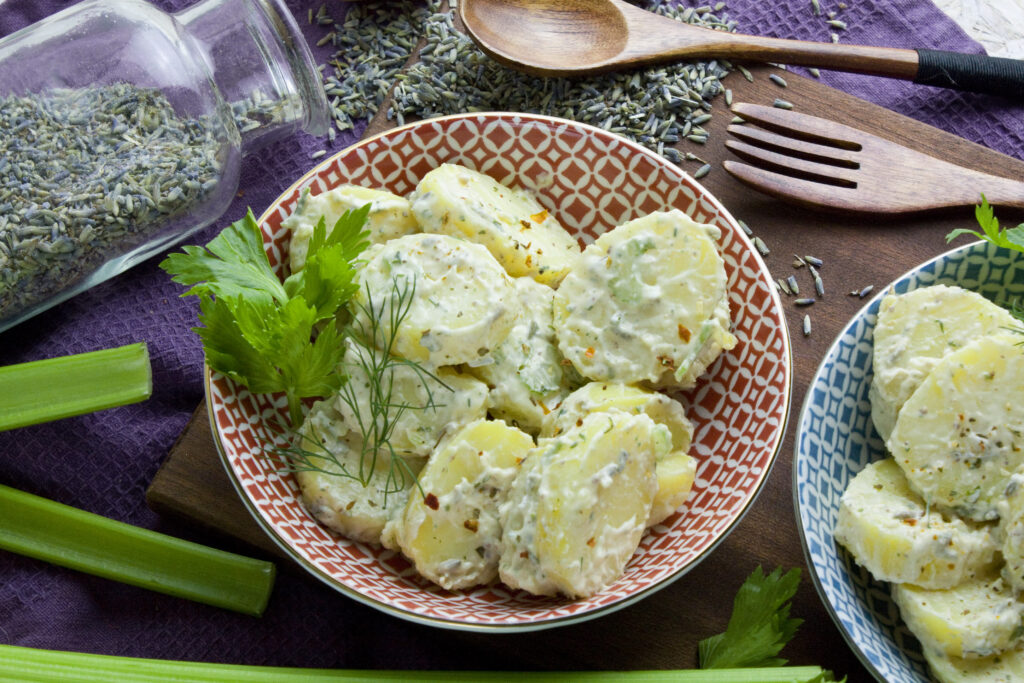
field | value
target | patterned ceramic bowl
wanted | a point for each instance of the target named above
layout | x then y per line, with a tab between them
591	180
836	439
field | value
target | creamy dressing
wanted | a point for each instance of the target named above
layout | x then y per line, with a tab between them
914	332
390	217
647	303
496	341
526	374
464	303
958	438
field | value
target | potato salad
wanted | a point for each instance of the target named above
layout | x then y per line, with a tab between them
941	518
503	416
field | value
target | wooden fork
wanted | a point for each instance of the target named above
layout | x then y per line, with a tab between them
815	162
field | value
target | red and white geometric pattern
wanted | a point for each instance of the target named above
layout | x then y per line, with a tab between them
591	180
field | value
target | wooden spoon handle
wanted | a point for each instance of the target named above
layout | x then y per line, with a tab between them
877	61
974	73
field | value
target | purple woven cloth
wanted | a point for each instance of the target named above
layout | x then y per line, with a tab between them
104	462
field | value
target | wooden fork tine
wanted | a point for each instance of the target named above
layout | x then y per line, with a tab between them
793	147
825	173
804	192
810	128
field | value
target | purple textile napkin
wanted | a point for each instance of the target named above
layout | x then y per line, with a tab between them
104	462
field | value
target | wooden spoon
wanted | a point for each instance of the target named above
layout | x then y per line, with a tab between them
578	37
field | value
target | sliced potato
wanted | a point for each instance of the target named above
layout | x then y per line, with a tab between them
977	618
914	331
435	402
525	373
390	217
890	532
1007	667
511	223
332	492
647	303
960	435
461	303
675	469
579	506
600	396
676	472
1011	532
450	528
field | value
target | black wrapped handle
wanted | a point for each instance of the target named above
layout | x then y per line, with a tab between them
973	73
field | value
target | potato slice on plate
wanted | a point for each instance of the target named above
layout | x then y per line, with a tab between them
450	528
525	373
647	303
330	489
914	331
960	435
459	301
390	217
579	505
415	407
511	223
977	618
890	532
1007	667
675	469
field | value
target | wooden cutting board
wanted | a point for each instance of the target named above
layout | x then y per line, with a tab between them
662	631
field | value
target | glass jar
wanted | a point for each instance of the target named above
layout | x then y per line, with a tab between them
122	130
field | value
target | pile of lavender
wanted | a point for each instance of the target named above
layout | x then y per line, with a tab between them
86	174
656	107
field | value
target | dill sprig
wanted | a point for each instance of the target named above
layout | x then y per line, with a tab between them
375	414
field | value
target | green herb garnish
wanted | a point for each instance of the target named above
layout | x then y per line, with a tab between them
1008	238
269	335
373	364
759	626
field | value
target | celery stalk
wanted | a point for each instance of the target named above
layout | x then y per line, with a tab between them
71	667
54	388
67	536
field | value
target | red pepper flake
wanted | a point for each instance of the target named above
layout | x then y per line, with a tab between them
540	216
432	502
589	353
471	524
684	333
590	541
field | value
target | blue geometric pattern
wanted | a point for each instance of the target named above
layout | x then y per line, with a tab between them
836	439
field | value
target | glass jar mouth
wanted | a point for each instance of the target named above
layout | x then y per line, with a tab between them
307	76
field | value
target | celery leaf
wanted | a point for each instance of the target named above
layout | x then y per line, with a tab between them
1007	238
759	626
269	335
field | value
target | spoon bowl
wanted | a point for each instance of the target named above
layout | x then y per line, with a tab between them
559	37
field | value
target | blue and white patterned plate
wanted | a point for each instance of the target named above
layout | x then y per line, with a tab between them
836	439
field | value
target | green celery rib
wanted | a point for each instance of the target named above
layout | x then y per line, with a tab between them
67	536
55	388
72	667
